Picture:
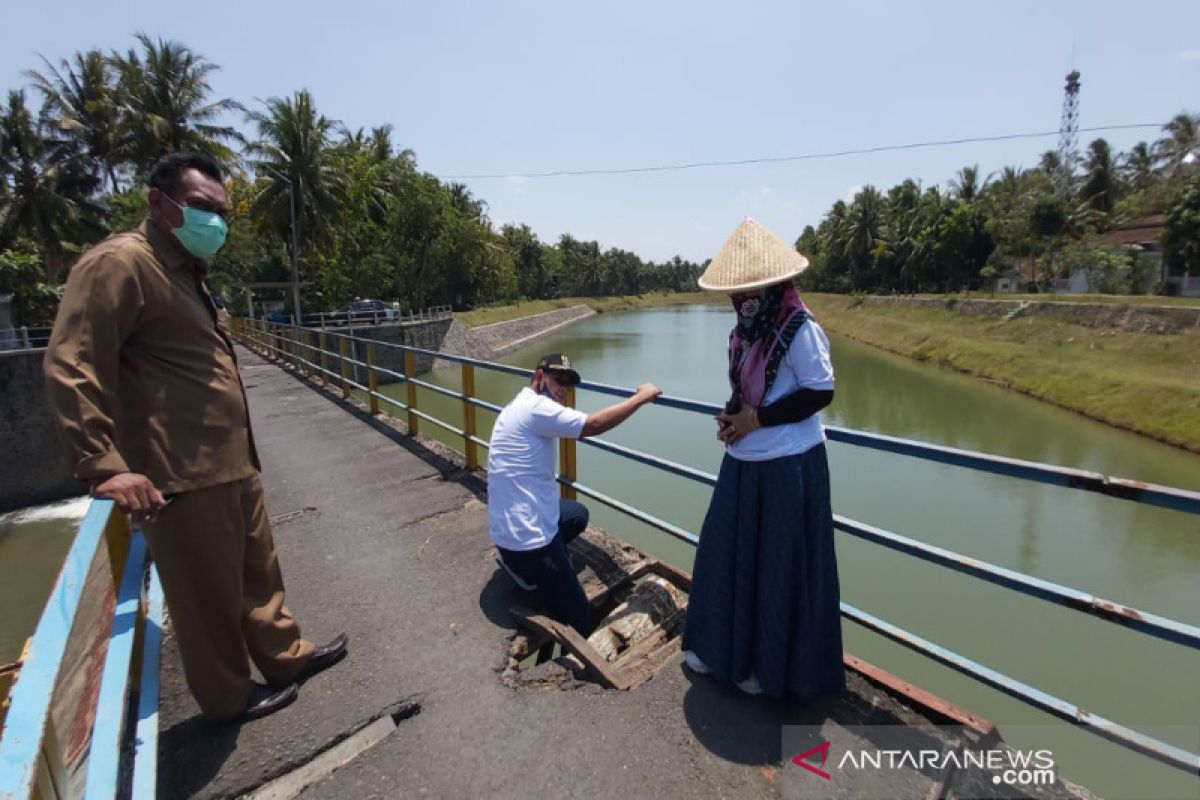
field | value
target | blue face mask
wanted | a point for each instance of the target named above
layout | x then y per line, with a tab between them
202	233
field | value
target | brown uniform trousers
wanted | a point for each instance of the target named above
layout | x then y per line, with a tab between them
224	589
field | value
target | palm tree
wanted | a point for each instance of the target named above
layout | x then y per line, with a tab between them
80	101
864	223
294	144
380	143
1182	140
1101	184
1138	167
164	94
965	184
46	195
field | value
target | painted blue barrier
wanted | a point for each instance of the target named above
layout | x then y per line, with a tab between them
31	764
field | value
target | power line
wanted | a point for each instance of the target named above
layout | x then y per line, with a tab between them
805	157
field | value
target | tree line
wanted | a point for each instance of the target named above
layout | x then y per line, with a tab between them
78	142
1034	225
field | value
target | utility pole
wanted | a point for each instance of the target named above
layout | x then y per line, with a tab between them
299	317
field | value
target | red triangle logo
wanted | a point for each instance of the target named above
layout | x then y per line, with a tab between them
800	761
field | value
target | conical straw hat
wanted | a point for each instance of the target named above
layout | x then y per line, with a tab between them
750	259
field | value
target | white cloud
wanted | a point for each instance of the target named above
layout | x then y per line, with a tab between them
1188	55
519	183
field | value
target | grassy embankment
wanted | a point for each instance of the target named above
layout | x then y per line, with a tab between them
1145	383
1142	382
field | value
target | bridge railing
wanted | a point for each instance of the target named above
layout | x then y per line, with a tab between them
66	734
374	318
311	353
23	338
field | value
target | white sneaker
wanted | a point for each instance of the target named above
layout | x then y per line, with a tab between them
694	663
517	579
750	686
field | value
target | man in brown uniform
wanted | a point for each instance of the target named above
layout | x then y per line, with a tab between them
142	373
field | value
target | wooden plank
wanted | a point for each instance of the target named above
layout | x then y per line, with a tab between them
104	761
572	641
917	696
25	724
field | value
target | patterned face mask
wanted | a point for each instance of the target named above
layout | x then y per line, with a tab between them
749	308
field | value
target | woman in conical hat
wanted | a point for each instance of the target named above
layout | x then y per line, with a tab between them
764	608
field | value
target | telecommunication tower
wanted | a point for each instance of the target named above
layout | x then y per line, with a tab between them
1068	135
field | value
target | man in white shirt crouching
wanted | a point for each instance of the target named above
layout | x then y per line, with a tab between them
529	524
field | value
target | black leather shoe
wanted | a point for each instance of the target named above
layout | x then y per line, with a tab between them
324	657
264	700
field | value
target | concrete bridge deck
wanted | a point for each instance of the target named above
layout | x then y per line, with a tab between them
386	539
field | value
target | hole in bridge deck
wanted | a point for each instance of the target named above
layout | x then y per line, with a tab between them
638	605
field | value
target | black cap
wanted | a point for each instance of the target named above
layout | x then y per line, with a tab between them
559	366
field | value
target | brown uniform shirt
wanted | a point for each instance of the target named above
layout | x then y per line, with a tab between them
141	369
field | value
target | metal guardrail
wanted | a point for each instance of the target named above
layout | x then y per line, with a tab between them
391	316
23	338
33	755
294	346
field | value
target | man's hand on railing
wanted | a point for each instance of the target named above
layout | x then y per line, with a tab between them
132	492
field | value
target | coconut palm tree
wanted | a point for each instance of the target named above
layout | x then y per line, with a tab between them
1181	141
864	223
164	93
1101	184
965	185
80	101
294	144
46	195
1138	166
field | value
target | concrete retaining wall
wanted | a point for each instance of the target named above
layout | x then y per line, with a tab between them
1119	316
33	459
486	342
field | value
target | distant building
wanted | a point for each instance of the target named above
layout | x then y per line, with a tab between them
1143	237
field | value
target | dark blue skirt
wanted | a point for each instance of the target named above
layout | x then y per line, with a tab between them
765	598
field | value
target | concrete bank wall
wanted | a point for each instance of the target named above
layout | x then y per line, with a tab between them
1119	316
33	460
486	342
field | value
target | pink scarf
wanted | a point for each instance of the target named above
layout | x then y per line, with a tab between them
751	366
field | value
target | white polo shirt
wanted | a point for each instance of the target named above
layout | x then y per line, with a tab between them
806	366
522	492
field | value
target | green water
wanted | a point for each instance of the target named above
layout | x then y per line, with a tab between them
33	542
1132	554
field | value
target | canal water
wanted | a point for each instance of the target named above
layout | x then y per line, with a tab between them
33	543
1136	555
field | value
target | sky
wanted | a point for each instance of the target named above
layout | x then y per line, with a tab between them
507	88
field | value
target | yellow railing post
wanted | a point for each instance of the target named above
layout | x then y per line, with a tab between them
468	390
306	337
372	380
566	454
410	369
117	537
324	364
343	349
